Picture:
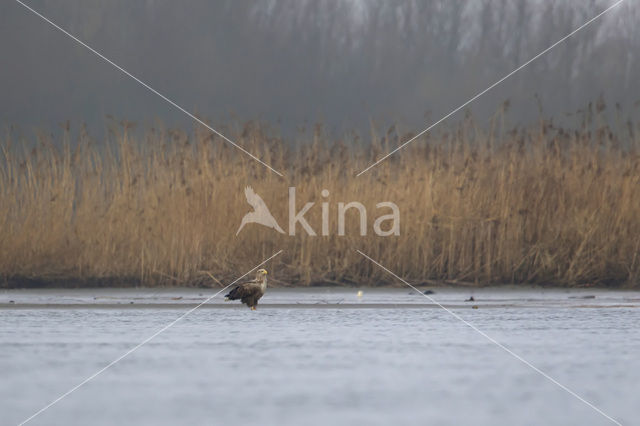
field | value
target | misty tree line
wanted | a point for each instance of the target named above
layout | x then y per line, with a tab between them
299	61
422	43
511	31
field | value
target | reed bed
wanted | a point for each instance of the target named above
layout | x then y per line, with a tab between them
537	205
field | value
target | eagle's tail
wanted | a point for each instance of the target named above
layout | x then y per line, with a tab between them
232	295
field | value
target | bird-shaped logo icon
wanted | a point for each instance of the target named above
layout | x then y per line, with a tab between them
260	213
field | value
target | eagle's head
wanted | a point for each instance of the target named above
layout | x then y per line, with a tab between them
261	277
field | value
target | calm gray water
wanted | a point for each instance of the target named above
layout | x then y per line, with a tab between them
320	357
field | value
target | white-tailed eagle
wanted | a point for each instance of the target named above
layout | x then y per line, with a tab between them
251	291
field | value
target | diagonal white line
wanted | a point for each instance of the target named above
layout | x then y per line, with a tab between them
146	86
494	341
139	345
491	87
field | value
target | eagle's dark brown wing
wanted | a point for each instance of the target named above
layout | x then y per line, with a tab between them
249	293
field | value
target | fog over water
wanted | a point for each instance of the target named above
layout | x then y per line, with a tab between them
289	62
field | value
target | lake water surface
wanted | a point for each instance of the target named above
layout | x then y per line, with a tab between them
320	357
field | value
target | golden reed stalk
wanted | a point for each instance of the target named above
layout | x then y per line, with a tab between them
538	205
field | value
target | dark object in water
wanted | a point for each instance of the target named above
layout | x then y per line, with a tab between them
470	299
12	301
474	307
588	296
429	292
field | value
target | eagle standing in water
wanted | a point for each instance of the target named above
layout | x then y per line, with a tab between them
251	291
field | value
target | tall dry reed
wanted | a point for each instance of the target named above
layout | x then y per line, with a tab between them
532	205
